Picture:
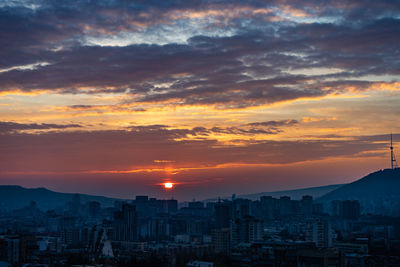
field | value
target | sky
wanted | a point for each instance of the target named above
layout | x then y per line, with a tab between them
218	97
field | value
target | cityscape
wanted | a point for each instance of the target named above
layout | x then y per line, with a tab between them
199	133
269	231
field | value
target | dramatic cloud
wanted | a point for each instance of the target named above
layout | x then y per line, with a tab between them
7	127
274	123
250	67
137	88
148	147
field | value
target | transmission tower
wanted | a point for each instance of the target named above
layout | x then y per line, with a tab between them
392	157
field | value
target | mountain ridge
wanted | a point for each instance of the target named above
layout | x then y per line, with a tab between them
16	196
377	192
379	179
315	191
379	188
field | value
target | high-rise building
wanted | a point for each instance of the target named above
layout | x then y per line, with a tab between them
269	207
222	215
12	248
171	206
319	231
241	208
246	230
125	223
347	209
221	240
317	208
335	208
306	205
285	206
196	205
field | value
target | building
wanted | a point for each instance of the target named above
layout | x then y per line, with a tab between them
347	209
285	206
12	249
246	230
200	264
306	205
221	240
241	208
222	215
125	224
320	258
269	207
319	231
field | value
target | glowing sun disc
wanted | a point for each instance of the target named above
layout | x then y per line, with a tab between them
168	185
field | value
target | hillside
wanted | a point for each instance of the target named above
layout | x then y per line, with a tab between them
14	197
378	192
315	192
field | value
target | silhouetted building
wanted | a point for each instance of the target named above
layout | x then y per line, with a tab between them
170	206
319	231
320	258
241	208
269	207
142	198
285	206
222	215
347	209
317	208
246	230
125	224
196	205
200	264
221	240
335	208
306	205
12	250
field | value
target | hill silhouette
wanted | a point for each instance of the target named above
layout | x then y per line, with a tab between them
378	192
315	192
295	194
16	197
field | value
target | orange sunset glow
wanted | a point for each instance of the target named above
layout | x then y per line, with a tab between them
216	97
168	185
199	133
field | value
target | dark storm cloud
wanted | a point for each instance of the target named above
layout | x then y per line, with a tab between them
10	127
251	67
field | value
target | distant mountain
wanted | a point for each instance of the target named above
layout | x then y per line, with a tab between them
378	192
15	197
315	192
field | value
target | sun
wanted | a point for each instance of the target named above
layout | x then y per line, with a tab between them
168	185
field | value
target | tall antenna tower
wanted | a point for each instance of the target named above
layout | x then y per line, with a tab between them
393	162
